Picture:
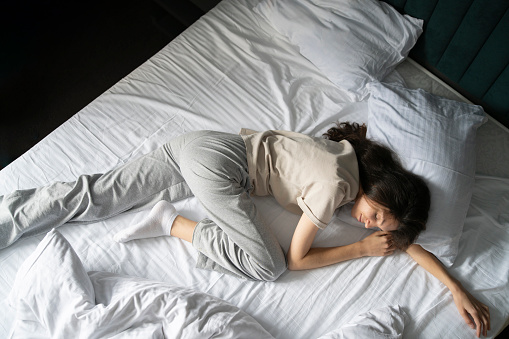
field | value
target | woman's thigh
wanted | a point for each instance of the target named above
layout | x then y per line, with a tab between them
215	168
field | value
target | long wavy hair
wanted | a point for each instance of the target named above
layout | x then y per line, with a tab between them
384	181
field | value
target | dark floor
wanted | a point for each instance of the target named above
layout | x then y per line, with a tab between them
59	57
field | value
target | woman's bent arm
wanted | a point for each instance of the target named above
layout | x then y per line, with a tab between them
301	256
469	307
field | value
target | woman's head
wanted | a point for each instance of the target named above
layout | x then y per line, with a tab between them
400	197
373	215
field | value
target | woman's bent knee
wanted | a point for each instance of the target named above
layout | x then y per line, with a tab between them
273	271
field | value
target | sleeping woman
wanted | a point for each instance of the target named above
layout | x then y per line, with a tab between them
306	175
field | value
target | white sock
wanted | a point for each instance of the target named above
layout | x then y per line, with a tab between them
158	223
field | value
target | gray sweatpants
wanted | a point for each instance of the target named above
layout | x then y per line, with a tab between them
209	165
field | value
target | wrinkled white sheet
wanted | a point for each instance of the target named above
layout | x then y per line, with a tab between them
231	70
54	297
383	323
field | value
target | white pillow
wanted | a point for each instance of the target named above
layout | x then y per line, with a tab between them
434	138
352	42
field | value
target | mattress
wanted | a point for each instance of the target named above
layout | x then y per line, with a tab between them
231	70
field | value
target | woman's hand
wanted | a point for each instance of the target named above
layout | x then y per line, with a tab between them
378	244
474	312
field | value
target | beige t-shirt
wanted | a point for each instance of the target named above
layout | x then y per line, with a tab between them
305	174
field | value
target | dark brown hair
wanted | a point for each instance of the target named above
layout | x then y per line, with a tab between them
384	181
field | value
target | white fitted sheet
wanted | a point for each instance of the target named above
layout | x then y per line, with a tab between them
231	70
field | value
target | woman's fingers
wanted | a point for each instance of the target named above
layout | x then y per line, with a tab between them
468	319
486	320
477	314
379	244
482	319
478	325
388	244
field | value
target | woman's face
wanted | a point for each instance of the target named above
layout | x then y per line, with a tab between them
373	215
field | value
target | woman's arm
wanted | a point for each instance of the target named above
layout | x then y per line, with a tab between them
301	256
472	310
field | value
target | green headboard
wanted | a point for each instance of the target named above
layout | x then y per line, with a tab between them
466	44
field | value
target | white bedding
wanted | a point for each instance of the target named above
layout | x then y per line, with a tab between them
54	297
231	70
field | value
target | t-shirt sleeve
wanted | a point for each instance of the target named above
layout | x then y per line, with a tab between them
319	201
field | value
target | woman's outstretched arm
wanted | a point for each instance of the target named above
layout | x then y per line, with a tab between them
475	313
301	256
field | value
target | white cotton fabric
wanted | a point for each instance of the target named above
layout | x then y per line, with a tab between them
383	323
352	42
54	294
229	70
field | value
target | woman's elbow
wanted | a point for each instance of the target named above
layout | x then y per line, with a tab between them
295	264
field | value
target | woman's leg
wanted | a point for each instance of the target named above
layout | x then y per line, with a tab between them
137	184
235	239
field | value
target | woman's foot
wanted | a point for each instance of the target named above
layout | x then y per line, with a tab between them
158	223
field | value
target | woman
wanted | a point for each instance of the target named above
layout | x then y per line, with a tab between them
307	175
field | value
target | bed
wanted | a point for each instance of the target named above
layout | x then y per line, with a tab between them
249	63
